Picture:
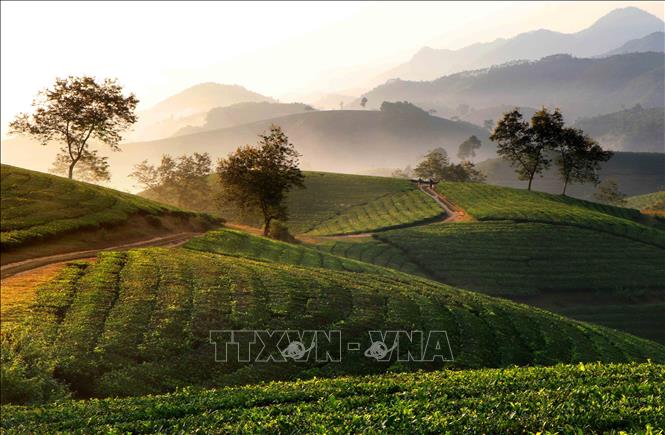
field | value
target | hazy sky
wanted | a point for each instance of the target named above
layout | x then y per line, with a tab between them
279	49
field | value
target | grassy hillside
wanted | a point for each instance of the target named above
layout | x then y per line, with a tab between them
37	207
574	257
507	258
340	203
493	203
580	398
390	211
241	244
635	173
651	201
139	322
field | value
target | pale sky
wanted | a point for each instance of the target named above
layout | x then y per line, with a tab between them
278	49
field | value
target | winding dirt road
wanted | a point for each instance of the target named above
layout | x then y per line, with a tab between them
170	240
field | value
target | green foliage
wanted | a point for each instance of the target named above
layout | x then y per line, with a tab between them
258	178
75	110
181	181
467	149
433	165
492	203
138	322
389	211
572	399
36	206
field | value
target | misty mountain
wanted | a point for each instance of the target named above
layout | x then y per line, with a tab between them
635	174
635	129
339	141
652	42
580	87
243	113
189	108
609	32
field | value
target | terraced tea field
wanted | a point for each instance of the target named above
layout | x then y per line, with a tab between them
584	398
139	322
371	250
240	244
326	195
36	207
508	258
390	211
492	203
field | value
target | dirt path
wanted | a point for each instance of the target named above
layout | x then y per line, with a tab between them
31	264
453	213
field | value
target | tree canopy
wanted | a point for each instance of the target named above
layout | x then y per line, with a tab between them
259	177
73	112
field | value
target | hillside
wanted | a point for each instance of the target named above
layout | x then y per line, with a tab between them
579	86
139	322
652	42
514	400
189	107
582	259
243	113
648	202
635	129
635	173
608	33
47	214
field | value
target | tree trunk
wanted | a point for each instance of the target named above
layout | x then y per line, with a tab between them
71	169
565	184
531	180
266	228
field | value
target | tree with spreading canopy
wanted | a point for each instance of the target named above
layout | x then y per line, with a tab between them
259	177
433	164
181	181
579	157
75	111
467	149
524	144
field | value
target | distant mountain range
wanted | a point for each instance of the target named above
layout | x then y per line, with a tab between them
606	34
635	129
244	113
189	108
652	42
580	87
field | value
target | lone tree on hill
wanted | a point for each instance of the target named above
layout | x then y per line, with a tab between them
467	149
517	142
74	111
259	177
433	165
579	157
